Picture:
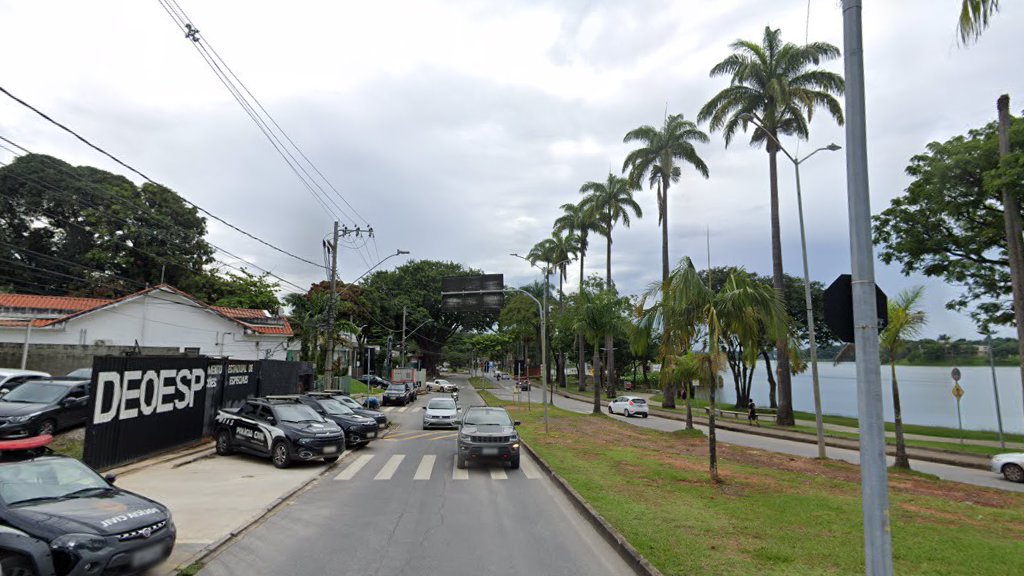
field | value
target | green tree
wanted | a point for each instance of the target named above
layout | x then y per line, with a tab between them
599	314
557	252
780	85
245	290
974	18
906	319
956	189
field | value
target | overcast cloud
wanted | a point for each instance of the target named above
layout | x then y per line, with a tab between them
458	128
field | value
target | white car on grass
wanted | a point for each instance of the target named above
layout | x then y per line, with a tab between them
628	406
440	385
1009	465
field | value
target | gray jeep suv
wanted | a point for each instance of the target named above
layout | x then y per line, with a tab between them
488	434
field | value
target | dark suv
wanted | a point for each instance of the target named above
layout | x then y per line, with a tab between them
283	429
359	430
397	394
43	407
488	434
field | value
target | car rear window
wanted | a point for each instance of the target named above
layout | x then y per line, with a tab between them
639	401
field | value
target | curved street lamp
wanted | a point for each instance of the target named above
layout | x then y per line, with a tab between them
386	258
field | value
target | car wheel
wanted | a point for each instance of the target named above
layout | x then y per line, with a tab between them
644	414
461	463
46	428
627	413
279	454
514	463
17	565
224	443
331	459
610	411
1013	473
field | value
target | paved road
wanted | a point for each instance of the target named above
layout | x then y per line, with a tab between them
401	508
944	471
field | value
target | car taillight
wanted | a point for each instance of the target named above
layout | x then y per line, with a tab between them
630	402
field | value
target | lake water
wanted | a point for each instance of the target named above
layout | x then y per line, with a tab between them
925	394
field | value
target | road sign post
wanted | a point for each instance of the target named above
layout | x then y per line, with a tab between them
958	393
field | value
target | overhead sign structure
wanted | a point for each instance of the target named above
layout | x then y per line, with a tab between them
839	307
485	292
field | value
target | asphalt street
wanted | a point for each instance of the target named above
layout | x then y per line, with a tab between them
400	507
946	472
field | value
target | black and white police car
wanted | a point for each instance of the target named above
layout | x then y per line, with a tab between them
59	517
282	428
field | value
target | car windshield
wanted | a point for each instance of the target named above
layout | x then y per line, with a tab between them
296	413
36	392
441	404
396	388
48	479
332	406
347	401
487	416
81	373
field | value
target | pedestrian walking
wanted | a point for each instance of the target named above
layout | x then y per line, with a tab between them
752	413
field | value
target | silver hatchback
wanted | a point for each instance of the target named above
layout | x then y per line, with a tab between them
440	413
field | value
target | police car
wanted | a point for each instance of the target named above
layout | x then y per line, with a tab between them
282	428
58	516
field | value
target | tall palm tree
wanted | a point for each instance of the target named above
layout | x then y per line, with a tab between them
556	251
974	18
779	85
658	161
611	202
906	319
576	219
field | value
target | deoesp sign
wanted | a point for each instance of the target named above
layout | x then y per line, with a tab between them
135	393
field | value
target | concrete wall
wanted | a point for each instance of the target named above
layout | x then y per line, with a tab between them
159	319
59	359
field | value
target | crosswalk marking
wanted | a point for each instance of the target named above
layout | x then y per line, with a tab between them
425	467
458	474
354	467
529	469
389	469
402	409
498	474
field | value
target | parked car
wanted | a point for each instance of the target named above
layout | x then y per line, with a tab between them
284	430
373	381
523	385
1009	465
359	430
628	406
80	374
378	416
440	413
58	516
396	394
413	391
487	434
43	407
11	378
440	385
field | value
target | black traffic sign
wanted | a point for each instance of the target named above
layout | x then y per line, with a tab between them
839	307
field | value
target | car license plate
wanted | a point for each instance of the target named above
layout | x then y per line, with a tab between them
147	556
330	449
489	451
373	434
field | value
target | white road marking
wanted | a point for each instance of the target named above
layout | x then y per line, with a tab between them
389	469
458	474
354	467
498	474
402	409
529	469
425	468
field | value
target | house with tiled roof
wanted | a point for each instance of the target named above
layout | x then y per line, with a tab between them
63	333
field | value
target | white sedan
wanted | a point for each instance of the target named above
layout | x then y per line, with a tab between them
628	406
440	385
1009	465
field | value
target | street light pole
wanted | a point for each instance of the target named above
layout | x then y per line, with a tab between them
329	371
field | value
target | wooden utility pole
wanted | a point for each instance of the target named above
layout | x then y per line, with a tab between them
1011	218
329	371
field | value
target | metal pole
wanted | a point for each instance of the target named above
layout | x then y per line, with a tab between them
403	337
959	422
995	391
874	482
24	349
544	346
329	372
810	318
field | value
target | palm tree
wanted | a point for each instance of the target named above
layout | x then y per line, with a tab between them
906	319
778	86
611	202
598	314
974	18
577	220
656	162
556	251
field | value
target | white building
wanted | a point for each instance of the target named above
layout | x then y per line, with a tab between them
161	319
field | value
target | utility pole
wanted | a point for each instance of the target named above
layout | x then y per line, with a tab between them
403	336
329	372
1011	220
24	349
873	473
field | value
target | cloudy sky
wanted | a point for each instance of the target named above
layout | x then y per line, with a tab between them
457	128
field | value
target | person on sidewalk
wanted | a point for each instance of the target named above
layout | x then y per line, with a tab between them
752	413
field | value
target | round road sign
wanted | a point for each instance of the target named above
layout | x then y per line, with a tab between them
956	374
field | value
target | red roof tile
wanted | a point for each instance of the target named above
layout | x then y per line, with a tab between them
240	313
65	303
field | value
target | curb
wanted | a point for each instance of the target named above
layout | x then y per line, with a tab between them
615	539
204	447
214	547
933	455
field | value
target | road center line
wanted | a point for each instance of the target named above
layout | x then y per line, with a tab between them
354	467
389	469
425	468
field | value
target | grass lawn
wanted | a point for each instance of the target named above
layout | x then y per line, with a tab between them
951	446
771	514
940	431
480	383
68	444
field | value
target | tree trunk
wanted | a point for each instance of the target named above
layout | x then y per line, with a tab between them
664	230
581	364
645	369
712	440
688	386
561	309
784	416
609	340
771	379
1012	222
597	370
901	448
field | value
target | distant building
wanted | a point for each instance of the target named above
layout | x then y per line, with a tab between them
67	332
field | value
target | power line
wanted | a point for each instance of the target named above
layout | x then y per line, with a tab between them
150	180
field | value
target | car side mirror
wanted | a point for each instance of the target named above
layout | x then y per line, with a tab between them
516	423
110	478
424	407
271	420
